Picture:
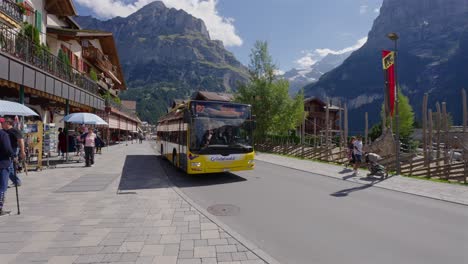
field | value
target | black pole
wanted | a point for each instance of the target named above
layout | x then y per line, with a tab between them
67	112
16	188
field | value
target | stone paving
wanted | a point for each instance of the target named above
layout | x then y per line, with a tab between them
442	191
122	210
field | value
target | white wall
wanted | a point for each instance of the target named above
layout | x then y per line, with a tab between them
39	5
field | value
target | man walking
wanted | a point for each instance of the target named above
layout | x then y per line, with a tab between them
17	144
357	154
6	153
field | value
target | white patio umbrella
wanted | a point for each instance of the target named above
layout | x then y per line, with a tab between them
84	118
15	109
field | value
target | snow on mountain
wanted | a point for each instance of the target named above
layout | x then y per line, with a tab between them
298	78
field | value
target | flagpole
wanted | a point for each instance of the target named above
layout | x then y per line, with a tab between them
394	38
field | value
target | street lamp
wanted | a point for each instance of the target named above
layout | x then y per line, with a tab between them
394	37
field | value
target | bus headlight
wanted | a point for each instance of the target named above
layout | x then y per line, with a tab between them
251	161
196	164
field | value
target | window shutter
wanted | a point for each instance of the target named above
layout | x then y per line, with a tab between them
39	21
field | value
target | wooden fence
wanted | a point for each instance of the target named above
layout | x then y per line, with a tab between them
411	165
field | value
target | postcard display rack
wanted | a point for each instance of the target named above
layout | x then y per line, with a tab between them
33	135
50	141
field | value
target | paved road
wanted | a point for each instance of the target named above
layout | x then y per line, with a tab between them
299	217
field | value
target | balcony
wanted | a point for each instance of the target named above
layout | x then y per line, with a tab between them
22	48
100	60
12	10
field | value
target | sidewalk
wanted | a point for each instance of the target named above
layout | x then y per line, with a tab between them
442	191
123	210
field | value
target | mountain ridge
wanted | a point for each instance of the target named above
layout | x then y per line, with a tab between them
167	54
432	47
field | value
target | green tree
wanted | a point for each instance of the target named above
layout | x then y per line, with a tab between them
375	131
406	117
275	111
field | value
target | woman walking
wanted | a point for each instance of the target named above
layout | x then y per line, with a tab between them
89	144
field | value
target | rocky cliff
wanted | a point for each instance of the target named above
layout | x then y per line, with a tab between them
432	49
167	53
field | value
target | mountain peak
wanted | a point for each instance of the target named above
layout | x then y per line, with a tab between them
433	47
156	16
158	5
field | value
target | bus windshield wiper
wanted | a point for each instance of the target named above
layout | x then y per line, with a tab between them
244	147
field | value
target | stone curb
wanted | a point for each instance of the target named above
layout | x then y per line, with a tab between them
373	185
245	242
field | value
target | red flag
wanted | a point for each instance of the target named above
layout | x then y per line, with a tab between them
388	61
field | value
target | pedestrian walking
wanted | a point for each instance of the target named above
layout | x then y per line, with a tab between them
99	144
89	139
17	144
62	145
6	154
357	154
350	152
140	137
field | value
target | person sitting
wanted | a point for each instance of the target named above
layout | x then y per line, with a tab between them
207	138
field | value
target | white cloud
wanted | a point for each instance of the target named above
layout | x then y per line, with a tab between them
377	10
309	58
363	9
221	28
279	72
325	52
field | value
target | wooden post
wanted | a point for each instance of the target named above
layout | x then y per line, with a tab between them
366	131
438	127
465	112
446	138
303	134
315	132
340	156
327	121
429	143
346	122
424	127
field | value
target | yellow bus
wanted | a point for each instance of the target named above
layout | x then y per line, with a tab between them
207	137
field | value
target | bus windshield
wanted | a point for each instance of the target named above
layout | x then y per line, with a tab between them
220	126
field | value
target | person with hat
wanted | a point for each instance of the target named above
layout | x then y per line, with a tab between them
17	144
6	154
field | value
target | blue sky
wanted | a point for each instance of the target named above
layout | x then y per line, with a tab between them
299	32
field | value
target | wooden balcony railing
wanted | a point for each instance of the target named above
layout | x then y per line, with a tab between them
95	56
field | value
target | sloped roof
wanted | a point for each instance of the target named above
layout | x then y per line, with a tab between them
60	7
213	96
